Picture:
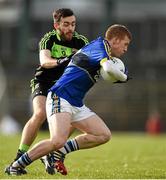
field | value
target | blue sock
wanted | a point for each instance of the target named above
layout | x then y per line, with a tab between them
23	161
70	146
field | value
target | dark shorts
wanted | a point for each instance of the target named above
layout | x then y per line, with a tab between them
39	88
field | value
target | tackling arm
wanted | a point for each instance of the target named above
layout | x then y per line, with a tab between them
46	60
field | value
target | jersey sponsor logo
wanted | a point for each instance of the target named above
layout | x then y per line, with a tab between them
59	51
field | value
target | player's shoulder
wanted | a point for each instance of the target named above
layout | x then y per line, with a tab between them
80	37
49	34
49	37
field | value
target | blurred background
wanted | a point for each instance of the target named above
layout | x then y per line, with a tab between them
138	105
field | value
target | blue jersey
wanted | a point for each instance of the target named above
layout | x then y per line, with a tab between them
82	72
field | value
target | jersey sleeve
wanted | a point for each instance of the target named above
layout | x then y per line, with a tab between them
46	42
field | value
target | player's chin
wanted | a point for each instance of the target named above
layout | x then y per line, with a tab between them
69	37
119	55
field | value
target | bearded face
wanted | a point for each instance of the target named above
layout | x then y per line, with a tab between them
66	27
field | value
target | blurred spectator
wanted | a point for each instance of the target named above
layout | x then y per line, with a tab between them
153	124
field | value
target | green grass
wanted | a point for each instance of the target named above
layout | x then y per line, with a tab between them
126	156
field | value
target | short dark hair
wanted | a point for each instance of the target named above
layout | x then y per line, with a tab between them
64	12
119	31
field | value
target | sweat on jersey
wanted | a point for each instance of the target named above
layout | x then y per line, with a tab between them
82	72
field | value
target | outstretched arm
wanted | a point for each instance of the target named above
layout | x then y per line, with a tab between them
48	62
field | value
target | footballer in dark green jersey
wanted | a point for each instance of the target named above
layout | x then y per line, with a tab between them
55	50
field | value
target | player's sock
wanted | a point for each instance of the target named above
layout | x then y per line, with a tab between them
70	146
22	149
23	161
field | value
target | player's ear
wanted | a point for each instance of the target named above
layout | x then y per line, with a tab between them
56	25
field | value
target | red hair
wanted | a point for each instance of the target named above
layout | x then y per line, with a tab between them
119	31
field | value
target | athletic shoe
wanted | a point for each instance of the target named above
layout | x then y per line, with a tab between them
52	165
60	167
59	163
48	162
16	171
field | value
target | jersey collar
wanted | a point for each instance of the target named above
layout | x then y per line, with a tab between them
107	48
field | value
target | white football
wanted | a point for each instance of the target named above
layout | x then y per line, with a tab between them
113	62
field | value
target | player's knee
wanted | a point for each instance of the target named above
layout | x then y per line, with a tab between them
39	116
57	143
106	136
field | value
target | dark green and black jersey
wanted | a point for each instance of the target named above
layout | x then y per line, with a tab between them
59	49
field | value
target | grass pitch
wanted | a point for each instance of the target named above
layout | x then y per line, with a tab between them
126	156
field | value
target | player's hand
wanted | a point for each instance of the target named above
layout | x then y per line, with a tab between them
62	60
128	78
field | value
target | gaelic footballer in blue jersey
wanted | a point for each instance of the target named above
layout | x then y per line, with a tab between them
65	106
82	71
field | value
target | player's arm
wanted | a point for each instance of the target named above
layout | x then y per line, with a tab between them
112	70
47	61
